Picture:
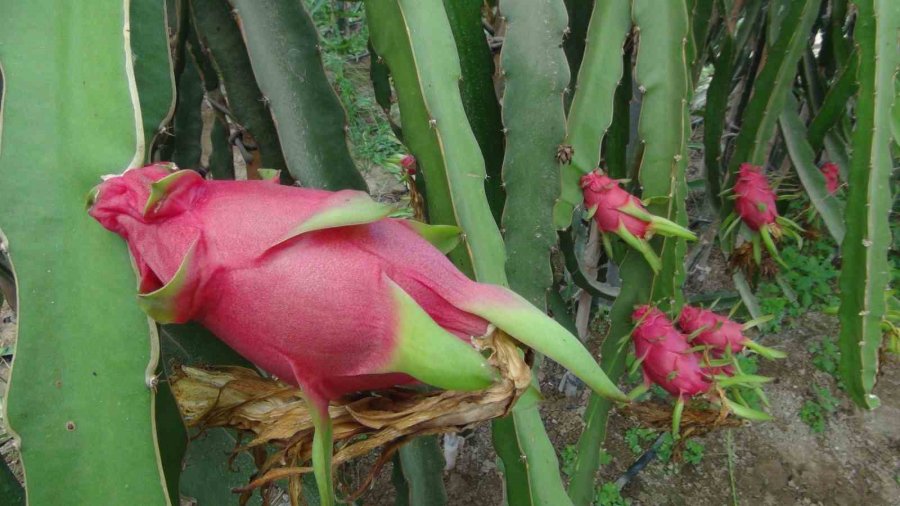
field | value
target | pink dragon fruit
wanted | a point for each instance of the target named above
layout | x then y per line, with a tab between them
618	212
755	200
319	288
832	177
720	334
713	330
666	356
755	206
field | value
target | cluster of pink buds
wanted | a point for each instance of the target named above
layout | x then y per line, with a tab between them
688	361
832	177
618	212
755	206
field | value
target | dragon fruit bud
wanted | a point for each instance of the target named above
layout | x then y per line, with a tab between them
409	165
755	200
609	198
319	288
832	177
716	331
666	356
618	212
720	334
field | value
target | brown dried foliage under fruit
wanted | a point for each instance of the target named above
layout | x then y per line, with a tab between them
274	413
741	259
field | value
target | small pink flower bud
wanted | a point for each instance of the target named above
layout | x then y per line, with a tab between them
832	177
755	200
713	330
409	164
609	198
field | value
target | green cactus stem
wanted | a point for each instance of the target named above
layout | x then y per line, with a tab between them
866	269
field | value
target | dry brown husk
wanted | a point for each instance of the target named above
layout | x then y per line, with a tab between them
274	413
697	419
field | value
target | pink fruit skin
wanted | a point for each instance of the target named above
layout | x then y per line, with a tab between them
409	164
605	193
719	332
755	200
832	177
315	311
665	351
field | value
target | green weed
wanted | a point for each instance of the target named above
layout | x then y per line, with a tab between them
691	453
826	355
808	284
815	413
569	457
608	494
637	437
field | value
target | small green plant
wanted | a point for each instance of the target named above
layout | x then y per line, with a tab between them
609	494
569	458
664	452
605	457
692	452
772	301
807	284
815	413
637	437
826	355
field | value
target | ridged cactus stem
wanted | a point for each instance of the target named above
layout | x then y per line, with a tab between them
591	111
416	42
221	40
662	75
536	75
283	46
152	70
866	269
83	419
478	95
770	89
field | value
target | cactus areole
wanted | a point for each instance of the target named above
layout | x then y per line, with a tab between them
319	288
754	198
666	356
